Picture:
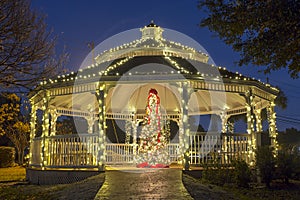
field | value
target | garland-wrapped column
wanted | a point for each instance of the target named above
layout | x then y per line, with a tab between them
134	125
90	121
224	119
45	132
128	128
258	120
53	122
32	130
272	126
184	129
100	94
250	125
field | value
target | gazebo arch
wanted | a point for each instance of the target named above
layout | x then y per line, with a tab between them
118	92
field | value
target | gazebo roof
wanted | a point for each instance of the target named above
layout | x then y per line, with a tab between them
151	41
155	57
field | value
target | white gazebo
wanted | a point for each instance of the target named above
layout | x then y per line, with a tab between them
116	87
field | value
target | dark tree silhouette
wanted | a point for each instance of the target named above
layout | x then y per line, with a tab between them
27	48
266	33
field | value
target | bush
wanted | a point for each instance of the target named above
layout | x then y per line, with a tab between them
238	173
7	156
241	173
217	174
286	165
265	163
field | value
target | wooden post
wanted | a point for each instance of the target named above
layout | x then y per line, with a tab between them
250	125
32	130
100	94
53	121
46	125
272	126
258	126
184	129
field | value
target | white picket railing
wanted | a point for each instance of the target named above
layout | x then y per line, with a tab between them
214	147
82	150
120	153
73	150
174	152
124	153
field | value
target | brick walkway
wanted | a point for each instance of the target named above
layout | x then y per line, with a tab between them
143	184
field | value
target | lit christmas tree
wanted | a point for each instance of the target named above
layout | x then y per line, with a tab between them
153	150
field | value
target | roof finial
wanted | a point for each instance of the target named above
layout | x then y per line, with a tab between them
152	24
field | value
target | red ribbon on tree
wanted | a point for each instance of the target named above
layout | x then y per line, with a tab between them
153	92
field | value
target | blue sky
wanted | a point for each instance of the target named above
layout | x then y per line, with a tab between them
79	22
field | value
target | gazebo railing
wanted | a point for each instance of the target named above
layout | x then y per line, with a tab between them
215	147
82	150
73	150
124	153
65	150
120	153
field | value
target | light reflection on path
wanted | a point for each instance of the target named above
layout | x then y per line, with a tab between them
143	184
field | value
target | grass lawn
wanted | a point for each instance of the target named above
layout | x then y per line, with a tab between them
14	186
278	190
200	189
12	174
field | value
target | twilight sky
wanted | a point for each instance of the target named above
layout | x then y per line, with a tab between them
79	22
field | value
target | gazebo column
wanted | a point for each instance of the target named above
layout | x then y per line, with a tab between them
272	126
90	121
101	94
32	130
128	129
258	121
230	126
184	131
45	131
250	126
54	117
224	118
181	136
134	124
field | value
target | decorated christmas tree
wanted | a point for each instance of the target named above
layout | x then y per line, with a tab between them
152	151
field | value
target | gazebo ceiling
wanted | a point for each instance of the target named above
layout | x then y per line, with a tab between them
132	98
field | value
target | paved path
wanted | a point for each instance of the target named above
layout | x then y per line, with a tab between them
143	184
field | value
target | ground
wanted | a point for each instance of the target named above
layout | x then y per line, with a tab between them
13	186
278	191
199	190
12	174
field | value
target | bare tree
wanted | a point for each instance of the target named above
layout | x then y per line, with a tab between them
18	134
27	48
13	124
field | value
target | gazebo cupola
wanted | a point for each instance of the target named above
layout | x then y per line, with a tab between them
152	31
